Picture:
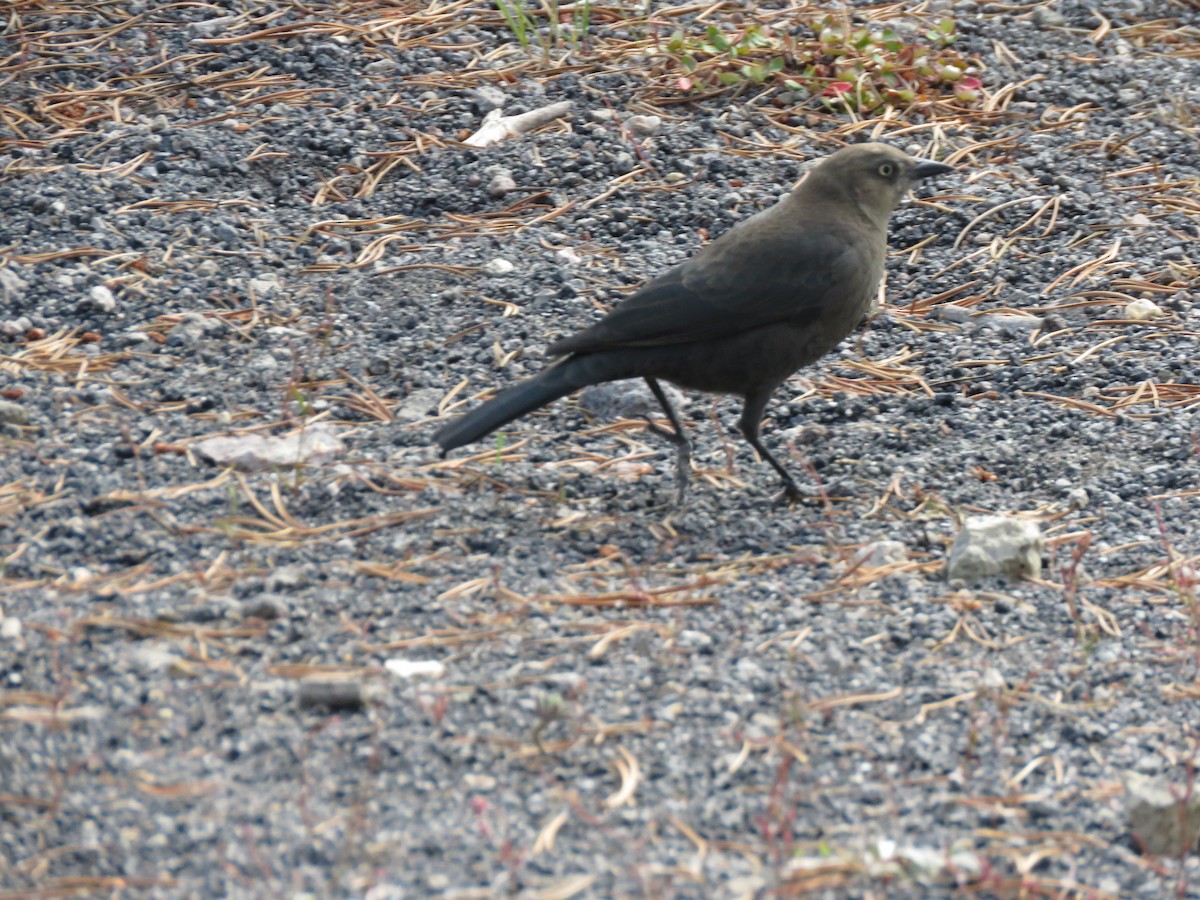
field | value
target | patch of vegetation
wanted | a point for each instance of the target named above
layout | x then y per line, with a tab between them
846	66
569	31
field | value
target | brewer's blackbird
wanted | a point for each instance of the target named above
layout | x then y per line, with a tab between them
776	292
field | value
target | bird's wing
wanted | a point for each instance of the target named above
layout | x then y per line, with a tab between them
759	277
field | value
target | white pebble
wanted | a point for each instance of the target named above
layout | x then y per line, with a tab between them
1142	309
498	266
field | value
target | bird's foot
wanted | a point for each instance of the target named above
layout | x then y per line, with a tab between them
788	497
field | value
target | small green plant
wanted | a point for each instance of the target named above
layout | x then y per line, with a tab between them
518	20
550	709
716	45
847	67
523	24
301	400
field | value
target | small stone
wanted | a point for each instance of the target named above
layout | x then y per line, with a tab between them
498	267
132	339
288	578
420	404
623	162
101	298
267	607
13	413
878	554
1141	310
808	435
956	314
15	328
500	185
988	546
992	679
1164	818
1045	17
265	284
643	126
152	658
1078	498
485	98
690	639
188	331
10	284
312	445
381	67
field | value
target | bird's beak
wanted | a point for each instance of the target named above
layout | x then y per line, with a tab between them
927	169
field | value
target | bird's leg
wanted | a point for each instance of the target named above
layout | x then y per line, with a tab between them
752	412
683	450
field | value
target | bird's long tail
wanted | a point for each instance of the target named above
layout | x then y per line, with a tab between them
545	387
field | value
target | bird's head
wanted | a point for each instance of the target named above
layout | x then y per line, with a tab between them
874	177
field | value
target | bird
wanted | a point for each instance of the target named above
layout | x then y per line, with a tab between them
773	294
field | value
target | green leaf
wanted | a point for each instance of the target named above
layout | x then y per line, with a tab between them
716	39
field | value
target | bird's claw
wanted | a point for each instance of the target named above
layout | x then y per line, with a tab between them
789	496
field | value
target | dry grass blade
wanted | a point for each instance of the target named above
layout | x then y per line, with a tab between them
544	842
89	885
60	354
827	703
625	598
627	767
155	628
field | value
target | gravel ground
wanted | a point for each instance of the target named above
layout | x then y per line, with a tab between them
241	219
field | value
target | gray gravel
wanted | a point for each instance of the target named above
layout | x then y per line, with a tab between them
205	687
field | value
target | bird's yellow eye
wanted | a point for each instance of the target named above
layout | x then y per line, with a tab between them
887	170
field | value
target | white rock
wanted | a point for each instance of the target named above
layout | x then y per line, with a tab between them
1078	498
643	126
10	284
254	453
1160	814
498	266
1142	309
995	545
265	284
102	299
